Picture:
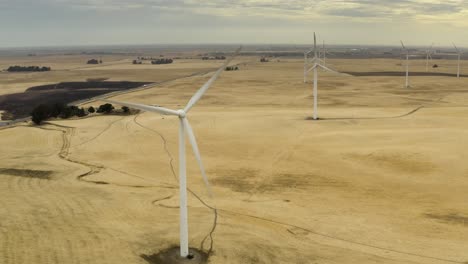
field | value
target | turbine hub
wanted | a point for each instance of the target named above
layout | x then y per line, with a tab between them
181	113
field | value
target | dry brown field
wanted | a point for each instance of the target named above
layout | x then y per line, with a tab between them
380	178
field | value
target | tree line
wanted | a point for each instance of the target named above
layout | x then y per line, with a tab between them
214	58
28	69
162	61
148	58
59	110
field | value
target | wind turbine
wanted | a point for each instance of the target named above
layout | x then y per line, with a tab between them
407	65
459	56
184	127
317	63
428	56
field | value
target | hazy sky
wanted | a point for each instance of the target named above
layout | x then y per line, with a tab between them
89	22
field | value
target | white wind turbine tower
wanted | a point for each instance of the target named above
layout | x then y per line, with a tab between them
184	127
459	56
428	56
317	63
407	65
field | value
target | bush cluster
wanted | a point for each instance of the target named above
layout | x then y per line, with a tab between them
105	108
214	58
264	59
94	61
149	58
27	69
137	62
45	111
232	68
162	61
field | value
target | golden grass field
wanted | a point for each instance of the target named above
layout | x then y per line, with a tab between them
381	178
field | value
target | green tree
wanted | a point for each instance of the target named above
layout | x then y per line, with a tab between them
105	108
81	112
40	113
57	109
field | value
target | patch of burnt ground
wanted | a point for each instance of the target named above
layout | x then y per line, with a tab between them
20	105
38	174
172	256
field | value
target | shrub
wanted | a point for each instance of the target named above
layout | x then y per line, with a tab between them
125	109
91	109
81	112
232	68
105	108
93	61
69	111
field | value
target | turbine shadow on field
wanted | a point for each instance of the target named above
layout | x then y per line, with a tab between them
368	118
38	174
172	256
451	218
242	180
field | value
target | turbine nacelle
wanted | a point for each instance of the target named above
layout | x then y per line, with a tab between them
181	113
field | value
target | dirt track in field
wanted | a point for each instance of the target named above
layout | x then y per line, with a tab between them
379	179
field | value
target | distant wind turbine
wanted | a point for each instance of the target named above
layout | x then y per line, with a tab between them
407	64
459	57
317	63
428	56
184	127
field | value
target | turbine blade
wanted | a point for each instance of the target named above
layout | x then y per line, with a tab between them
456	47
320	61
196	152
315	45
328	69
207	85
403	45
148	108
